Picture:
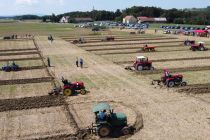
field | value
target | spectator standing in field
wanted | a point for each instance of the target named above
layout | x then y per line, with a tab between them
81	62
77	62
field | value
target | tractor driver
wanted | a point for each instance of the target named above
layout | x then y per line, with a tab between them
102	115
167	73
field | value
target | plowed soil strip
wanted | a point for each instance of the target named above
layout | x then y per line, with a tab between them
26	81
196	88
165	60
127	43
125	48
20	53
31	68
157	71
10	50
119	40
132	52
21	59
30	103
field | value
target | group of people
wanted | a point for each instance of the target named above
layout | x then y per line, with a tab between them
79	62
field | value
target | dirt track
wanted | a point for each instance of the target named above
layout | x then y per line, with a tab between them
128	43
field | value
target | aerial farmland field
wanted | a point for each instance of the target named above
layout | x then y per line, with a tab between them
28	112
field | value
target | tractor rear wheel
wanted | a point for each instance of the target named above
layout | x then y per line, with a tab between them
171	84
67	92
140	68
125	130
104	131
83	91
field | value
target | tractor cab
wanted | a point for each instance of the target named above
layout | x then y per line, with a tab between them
142	63
106	121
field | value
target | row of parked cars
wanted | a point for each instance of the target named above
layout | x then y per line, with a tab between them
109	24
182	27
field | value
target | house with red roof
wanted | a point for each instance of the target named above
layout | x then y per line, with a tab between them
129	19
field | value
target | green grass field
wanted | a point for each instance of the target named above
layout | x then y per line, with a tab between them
34	28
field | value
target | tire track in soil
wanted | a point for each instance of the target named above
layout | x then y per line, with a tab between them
127	43
19	53
120	40
26	81
27	49
195	89
132	52
165	60
21	59
125	48
173	70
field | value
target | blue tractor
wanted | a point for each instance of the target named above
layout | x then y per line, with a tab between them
12	67
107	122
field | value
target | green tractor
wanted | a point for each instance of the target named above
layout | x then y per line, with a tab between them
108	123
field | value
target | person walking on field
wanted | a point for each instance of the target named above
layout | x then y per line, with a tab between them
77	62
48	62
81	62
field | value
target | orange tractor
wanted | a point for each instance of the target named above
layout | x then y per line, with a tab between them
69	88
147	48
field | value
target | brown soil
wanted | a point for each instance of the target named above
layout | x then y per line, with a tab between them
166	60
173	70
21	59
127	43
20	53
133	47
26	81
196	89
133	52
30	103
10	50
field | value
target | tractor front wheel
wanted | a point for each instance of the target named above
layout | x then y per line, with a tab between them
67	92
104	131
126	131
184	84
83	91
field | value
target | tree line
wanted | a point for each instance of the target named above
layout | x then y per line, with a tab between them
197	16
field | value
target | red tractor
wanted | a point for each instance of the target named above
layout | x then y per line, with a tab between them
147	48
69	88
170	80
108	38
198	47
141	63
